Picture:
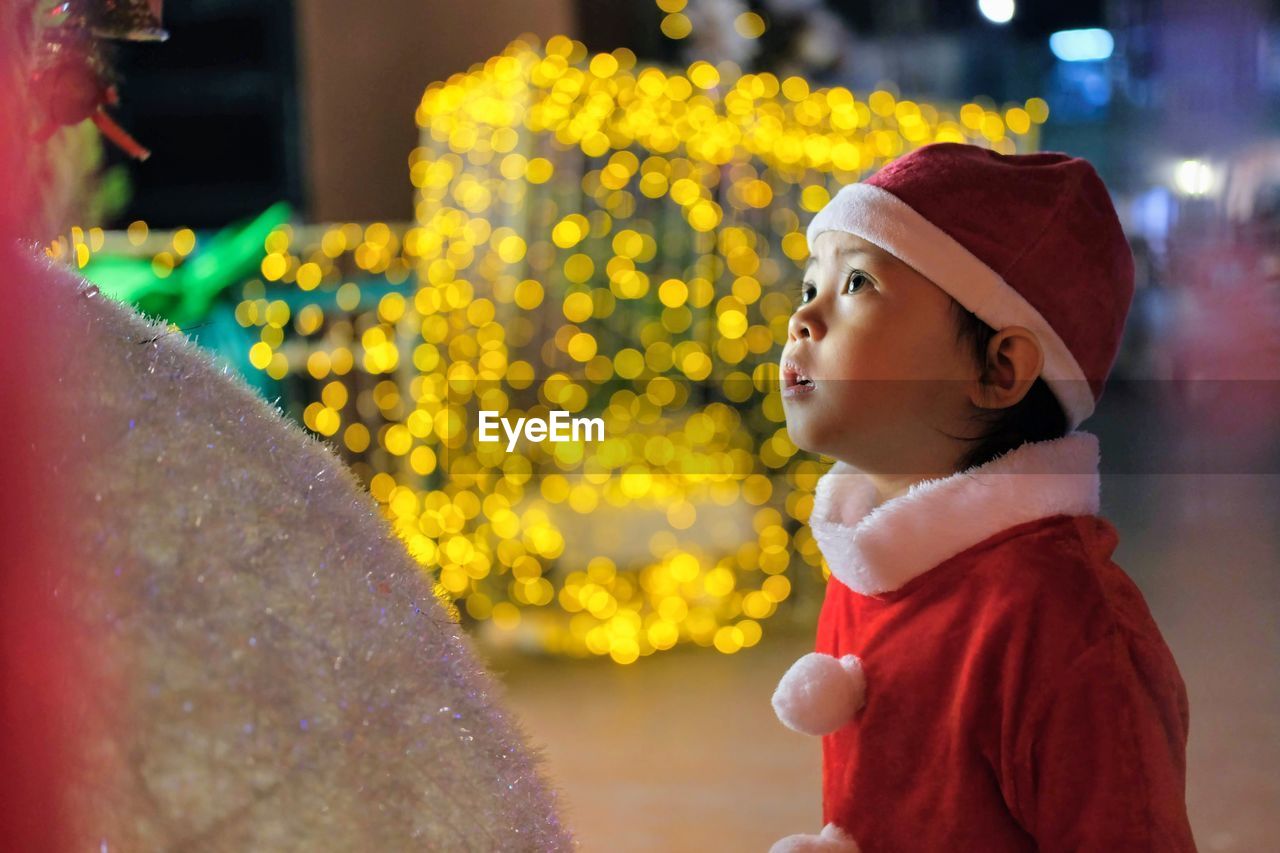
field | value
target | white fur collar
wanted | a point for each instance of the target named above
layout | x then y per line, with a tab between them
876	550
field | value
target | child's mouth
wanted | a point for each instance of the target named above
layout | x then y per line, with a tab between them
795	383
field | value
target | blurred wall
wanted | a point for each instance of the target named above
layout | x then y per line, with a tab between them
362	70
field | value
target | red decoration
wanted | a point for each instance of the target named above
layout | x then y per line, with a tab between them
73	84
71	92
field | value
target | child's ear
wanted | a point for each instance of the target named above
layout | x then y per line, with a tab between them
1013	363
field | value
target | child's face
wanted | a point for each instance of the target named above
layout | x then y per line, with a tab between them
881	342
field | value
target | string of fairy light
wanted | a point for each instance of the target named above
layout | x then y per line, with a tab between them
608	239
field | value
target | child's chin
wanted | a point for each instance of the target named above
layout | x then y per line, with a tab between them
800	431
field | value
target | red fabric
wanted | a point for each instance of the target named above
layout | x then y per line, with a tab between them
43	663
1044	222
1019	697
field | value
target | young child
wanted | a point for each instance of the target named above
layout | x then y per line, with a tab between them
985	677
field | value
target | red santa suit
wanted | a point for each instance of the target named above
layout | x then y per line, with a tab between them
985	677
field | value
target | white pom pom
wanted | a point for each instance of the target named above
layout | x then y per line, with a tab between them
832	839
820	693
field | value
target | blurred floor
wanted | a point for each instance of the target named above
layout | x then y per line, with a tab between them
682	752
1206	552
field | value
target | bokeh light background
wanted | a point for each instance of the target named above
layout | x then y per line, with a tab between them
596	236
473	218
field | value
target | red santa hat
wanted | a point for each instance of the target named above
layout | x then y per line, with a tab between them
1028	240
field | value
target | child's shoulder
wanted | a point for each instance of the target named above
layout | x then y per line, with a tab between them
1053	598
1057	574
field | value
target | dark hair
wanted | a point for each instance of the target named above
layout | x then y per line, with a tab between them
1038	416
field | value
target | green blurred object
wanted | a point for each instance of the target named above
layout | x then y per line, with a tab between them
183	297
201	294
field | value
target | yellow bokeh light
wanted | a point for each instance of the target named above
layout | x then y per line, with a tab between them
749	25
814	198
161	265
137	232
600	237
1018	120
348	296
704	75
528	294
604	65
539	170
184	241
579	268
308	276
795	88
273	266
567	233
356	437
676	26
578	307
260	355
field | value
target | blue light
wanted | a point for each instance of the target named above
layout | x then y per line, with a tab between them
1153	212
1088	45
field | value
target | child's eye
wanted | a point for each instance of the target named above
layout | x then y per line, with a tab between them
857	278
856	281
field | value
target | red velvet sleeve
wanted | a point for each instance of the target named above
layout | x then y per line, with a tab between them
1101	759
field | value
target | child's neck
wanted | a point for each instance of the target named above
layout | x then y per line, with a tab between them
906	460
889	487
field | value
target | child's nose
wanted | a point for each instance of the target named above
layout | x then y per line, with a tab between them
802	325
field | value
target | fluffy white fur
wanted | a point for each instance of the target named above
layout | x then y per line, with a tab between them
876	550
832	839
819	693
287	680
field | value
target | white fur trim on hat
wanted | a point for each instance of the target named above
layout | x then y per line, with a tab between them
820	693
832	839
875	550
880	217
